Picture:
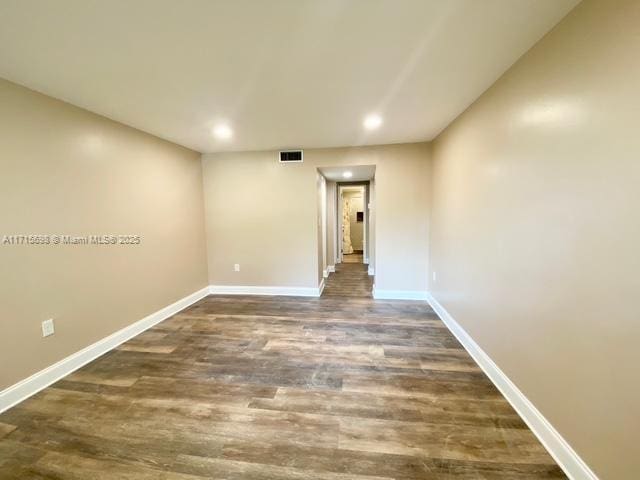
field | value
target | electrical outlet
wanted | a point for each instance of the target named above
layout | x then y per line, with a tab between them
236	267
48	328
434	276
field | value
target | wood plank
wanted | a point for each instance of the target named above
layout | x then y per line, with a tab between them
74	467
441	440
236	470
6	429
404	408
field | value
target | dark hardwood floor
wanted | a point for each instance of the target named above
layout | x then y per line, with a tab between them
236	387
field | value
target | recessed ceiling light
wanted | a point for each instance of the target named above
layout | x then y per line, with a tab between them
347	174
223	132
373	121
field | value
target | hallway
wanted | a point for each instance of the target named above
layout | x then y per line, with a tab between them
349	280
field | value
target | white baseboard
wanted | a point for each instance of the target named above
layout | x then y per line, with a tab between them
321	287
24	389
254	290
560	450
399	294
370	270
331	268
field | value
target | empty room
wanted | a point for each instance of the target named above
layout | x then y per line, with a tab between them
319	239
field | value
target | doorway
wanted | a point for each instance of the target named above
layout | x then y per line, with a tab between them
353	231
346	230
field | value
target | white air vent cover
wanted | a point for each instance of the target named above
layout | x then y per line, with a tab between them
291	156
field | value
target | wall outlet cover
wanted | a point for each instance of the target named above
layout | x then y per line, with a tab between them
48	328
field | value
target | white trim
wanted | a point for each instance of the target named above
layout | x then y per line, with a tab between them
325	273
331	268
24	389
371	270
560	450
399	294
365	223
321	287
340	256
258	290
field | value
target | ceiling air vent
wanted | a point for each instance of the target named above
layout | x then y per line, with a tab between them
289	156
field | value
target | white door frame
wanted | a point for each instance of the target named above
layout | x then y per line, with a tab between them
339	227
365	226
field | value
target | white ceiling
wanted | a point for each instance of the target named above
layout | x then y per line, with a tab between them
282	73
359	173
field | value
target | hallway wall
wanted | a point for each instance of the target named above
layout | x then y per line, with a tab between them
536	229
331	210
263	215
321	205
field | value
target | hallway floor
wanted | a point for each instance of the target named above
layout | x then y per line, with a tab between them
352	258
282	388
349	280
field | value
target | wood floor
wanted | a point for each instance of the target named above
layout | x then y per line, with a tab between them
352	258
349	280
280	388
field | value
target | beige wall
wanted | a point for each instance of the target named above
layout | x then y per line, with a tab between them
536	229
66	171
263	215
321	205
371	224
331	222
